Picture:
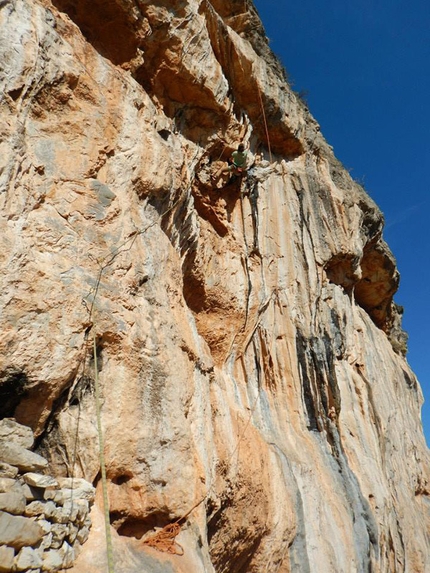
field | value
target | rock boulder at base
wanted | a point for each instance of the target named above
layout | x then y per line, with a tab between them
19	531
12	432
23	459
7	555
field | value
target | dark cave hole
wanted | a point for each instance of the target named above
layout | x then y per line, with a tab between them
13	387
137	527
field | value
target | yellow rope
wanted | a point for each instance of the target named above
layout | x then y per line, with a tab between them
109	548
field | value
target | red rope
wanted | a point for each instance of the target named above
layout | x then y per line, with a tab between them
165	540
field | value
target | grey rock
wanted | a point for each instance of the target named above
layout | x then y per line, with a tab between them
12	502
19	531
56	543
83	510
45	525
18	434
7	471
39	507
105	194
59	532
7	555
27	558
71	508
7	484
81	497
72	532
56	559
87	493
35	508
23	459
32	493
78	548
61	515
56	495
87	521
68	554
83	534
77	488
52	560
46	542
41	481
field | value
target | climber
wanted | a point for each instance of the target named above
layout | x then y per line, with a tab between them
236	164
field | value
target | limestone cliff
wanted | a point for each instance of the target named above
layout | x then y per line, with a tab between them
248	349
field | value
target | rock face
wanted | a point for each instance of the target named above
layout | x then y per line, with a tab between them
247	346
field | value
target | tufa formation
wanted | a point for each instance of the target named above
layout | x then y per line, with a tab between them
221	359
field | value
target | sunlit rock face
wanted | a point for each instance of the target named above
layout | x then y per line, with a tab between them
248	349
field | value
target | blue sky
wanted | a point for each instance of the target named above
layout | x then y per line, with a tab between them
365	68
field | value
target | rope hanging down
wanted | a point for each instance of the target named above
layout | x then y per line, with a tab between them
165	539
103	265
109	547
106	261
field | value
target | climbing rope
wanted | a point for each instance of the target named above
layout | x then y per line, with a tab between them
265	124
246	263
109	547
165	540
222	152
103	264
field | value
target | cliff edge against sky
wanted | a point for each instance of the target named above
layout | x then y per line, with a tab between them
251	362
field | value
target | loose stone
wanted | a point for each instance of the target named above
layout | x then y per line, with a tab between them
11	431
23	459
27	558
19	531
12	502
7	555
41	481
7	471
